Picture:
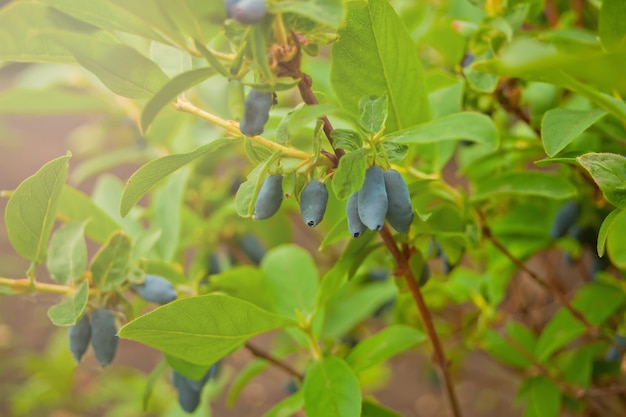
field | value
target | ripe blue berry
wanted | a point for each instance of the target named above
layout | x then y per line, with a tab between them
256	112
103	336
313	202
248	12
355	226
252	247
373	200
564	219
270	197
400	209
80	336
155	289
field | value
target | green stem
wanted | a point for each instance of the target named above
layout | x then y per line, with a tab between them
604	101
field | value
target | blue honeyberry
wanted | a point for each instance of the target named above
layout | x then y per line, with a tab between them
252	247
229	5
313	201
103	336
256	112
188	397
355	225
80	336
248	12
372	199
400	208
565	218
270	197
155	289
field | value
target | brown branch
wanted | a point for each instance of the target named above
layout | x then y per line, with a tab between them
274	361
439	356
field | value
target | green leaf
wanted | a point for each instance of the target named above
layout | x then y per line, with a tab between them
244	282
287	407
67	253
18	17
291	280
167	217
608	170
372	409
76	206
71	309
616	244
54	100
472	126
611	24
326	12
543	397
121	68
537	184
170	91
247	374
376	56
258	48
374	111
154	171
211	59
383	345
247	192
331	390
504	347
30	212
202	329
186	368
604	230
350	174
112	262
559	127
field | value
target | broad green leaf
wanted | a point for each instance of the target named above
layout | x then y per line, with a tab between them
472	126
371	409
258	48
107	194
67	253
291	280
154	171
166	205
616	244
247	374
247	192
30	212
326	12
106	15
576	365
67	312
55	100
373	113
376	56
202	329
538	184
112	262
172	60
504	347
609	172
383	345
212	60
186	368
244	282
76	206
121	68
299	117
287	407
604	230
170	91
543	397
350	174
23	28
611	27
559	127
347	311
331	390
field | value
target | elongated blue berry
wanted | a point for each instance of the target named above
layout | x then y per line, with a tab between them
252	247
270	197
400	208
229	5
155	289
188	397
355	225
103	336
313	202
373	201
256	112
564	219
80	336
248	12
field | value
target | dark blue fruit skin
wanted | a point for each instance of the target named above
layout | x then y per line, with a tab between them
252	247
270	197
229	5
613	354
355	226
373	199
155	289
256	112
80	336
248	12
564	219
190	390
313	202
400	209
103	336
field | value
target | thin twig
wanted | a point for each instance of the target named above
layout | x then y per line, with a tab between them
25	285
275	361
439	356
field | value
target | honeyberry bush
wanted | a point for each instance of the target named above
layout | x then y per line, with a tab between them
518	103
